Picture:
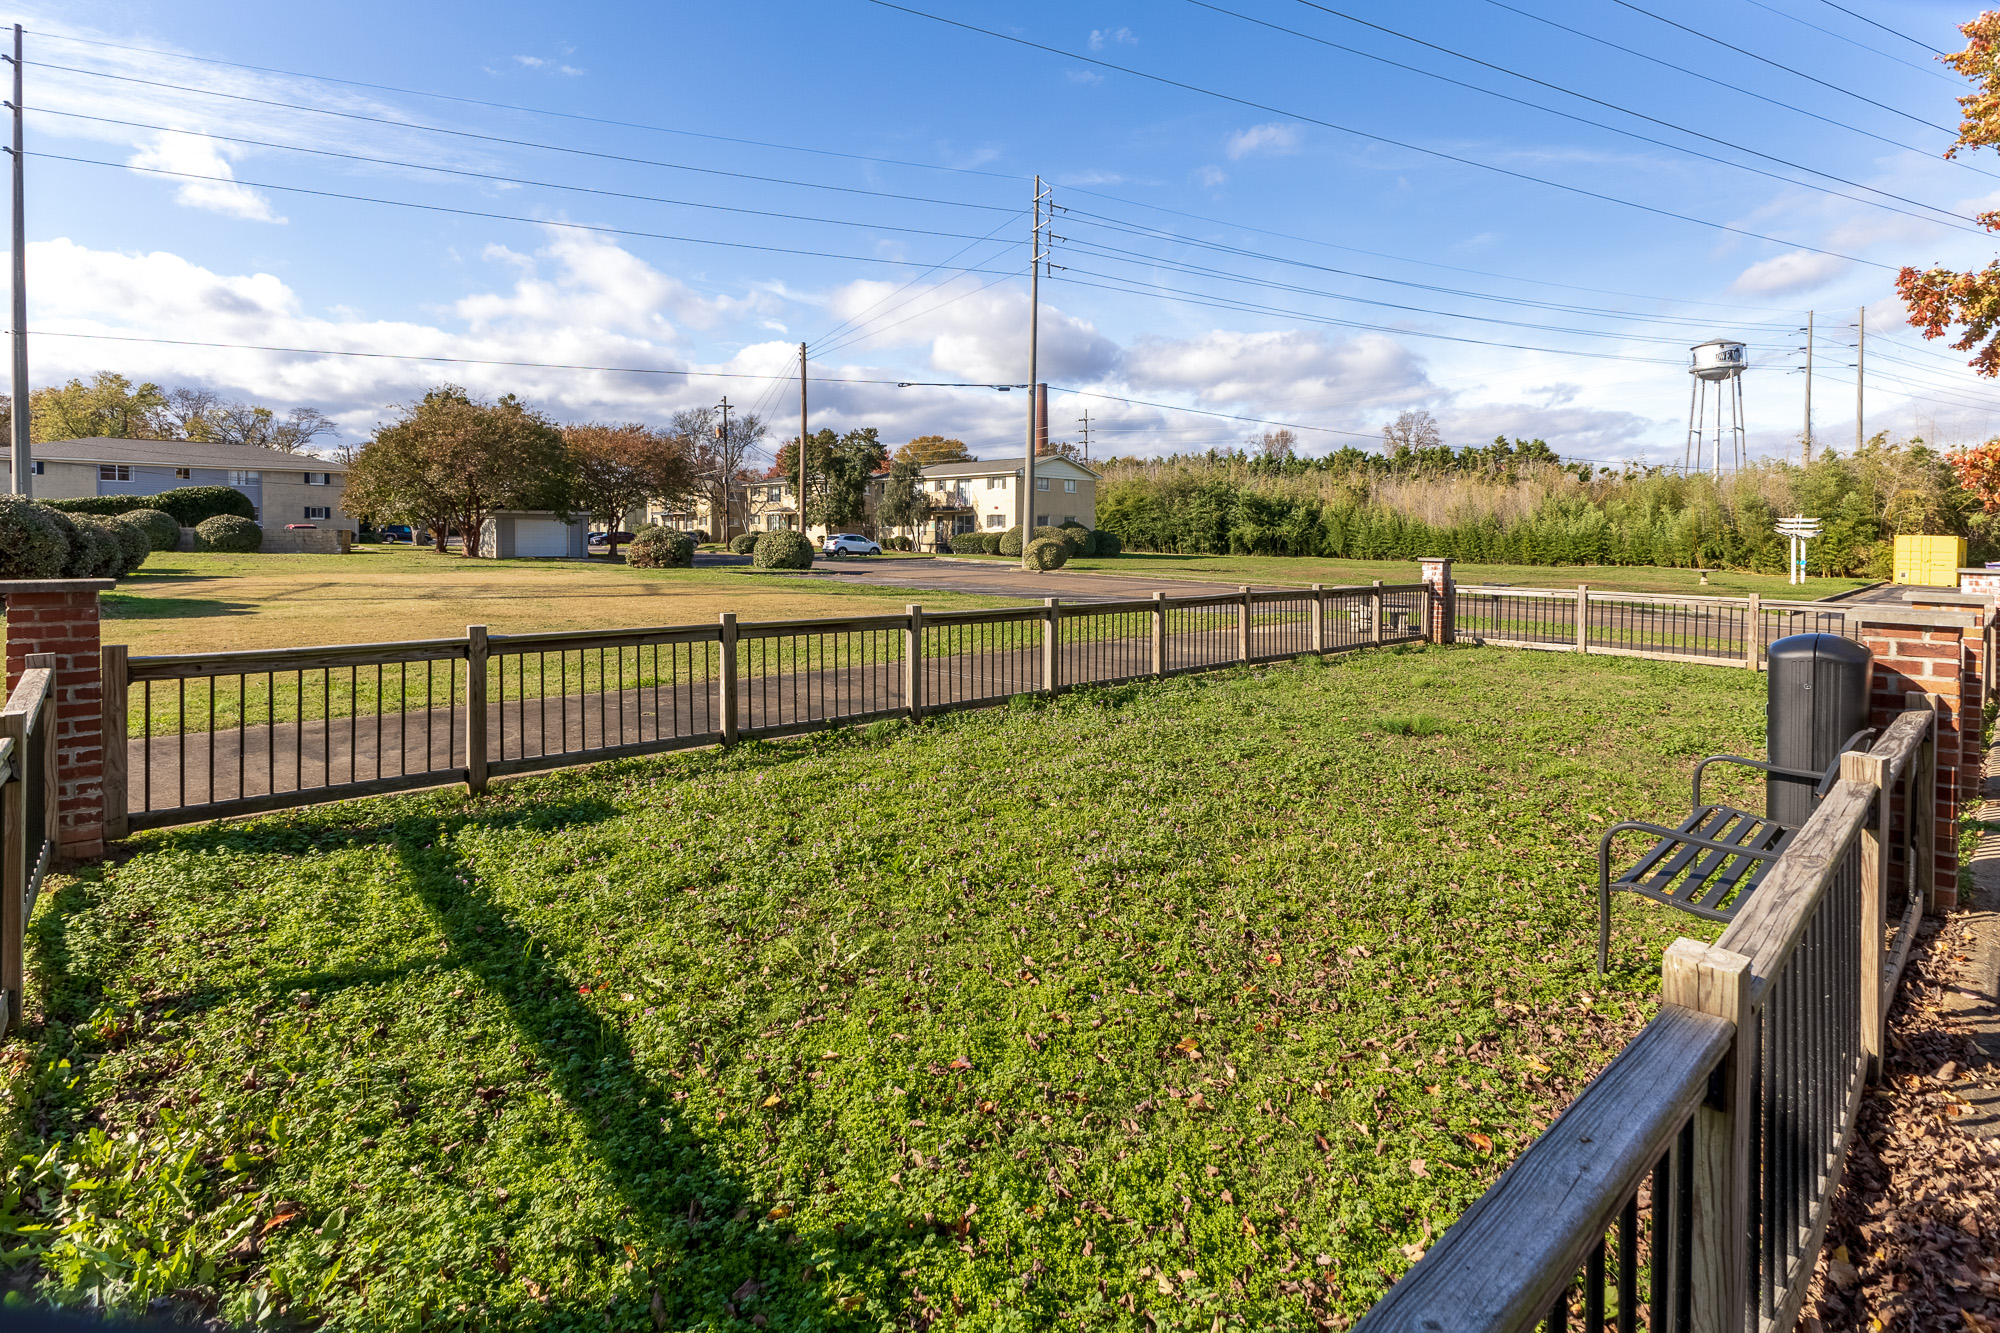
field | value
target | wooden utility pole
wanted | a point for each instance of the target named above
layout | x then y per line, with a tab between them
1860	371
24	466
1035	257
722	443
802	441
1806	439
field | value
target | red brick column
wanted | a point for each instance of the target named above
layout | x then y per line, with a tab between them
59	616
1936	651
1441	624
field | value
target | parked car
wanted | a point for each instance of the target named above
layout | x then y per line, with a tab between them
849	543
395	532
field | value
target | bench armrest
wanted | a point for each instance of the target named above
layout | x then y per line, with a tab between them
1800	773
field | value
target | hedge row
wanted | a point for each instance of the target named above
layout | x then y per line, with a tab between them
1077	539
188	505
39	541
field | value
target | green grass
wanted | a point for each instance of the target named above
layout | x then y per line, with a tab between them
1215	998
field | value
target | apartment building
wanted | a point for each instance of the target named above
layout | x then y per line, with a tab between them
284	488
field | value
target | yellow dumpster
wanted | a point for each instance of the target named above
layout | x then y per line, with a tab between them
1931	562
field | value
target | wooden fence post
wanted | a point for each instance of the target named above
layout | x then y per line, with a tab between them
1159	635
1715	981
1319	617
728	622
1583	617
1051	645
1753	632
14	854
114	668
1920	806
913	663
1375	614
1873	770
1243	623
475	709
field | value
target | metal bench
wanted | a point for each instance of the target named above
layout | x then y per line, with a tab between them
1714	860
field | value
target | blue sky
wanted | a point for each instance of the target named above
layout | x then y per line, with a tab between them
1300	217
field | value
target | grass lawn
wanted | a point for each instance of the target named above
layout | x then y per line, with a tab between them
184	603
1611	578
1211	999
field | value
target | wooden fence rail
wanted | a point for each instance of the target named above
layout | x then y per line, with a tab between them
27	819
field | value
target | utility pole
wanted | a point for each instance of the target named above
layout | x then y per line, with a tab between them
722	440
1086	435
1035	257
1860	370
1806	439
24	466
802	441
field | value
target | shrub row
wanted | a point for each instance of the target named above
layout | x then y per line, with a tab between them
188	505
39	541
1074	537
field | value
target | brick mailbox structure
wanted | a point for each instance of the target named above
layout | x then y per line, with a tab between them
59	617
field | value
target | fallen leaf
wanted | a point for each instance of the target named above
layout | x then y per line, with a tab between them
779	1213
773	1100
750	1288
1196	1102
1188	1046
1481	1142
1249	1227
1419	1168
1413	1252
1324	1146
851	1302
830	1055
986	1108
1274	958
279	1221
961	1063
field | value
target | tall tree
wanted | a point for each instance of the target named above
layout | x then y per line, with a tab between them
838	470
453	459
931	449
1937	297
620	468
109	405
1278	445
904	504
719	455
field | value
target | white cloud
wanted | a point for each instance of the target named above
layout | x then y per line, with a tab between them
1084	76
1286	370
1271	138
1798	271
1210	176
198	155
1101	37
532	62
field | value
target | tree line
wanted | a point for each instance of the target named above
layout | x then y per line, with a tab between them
109	404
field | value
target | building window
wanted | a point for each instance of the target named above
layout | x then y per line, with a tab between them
319	479
40	468
114	472
1070	486
245	478
1069	518
996	520
774	493
318	511
1041	520
1041	483
183	474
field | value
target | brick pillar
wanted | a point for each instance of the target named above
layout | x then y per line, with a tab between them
1442	622
1939	652
59	616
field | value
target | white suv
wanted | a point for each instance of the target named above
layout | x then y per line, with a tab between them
849	543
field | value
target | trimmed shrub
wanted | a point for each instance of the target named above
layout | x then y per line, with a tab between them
188	505
783	549
989	542
898	544
968	543
1078	537
699	536
162	530
133	543
1010	542
93	552
660	548
1047	553
1104	543
230	534
743	543
34	540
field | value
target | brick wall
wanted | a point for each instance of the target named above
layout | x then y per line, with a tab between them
59	617
1441	618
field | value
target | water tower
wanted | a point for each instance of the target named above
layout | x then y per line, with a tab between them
1717	367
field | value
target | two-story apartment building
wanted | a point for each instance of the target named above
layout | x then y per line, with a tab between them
284	488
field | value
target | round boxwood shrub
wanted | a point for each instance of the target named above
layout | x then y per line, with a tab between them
989	542
967	543
660	548
34	541
783	549
898	544
1010	542
229	534
162	530
1078	537
93	552
133	543
1106	543
1047	553
744	543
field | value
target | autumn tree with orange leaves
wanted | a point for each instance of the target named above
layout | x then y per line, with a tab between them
1938	298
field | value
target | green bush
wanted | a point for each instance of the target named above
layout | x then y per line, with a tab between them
660	548
743	543
968	543
897	544
133	543
783	550
230	534
93	552
1047	553
33	543
162	530
1104	543
188	505
1010	542
989	542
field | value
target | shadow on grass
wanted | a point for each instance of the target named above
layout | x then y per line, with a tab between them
127	606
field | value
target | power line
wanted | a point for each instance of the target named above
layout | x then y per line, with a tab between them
1202	412
1843	37
1378	138
497	217
526	110
1710	37
524	143
1884	27
1581	120
490	176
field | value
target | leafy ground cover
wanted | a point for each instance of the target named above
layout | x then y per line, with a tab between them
1210	1000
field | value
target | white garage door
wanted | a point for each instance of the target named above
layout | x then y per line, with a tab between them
546	537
